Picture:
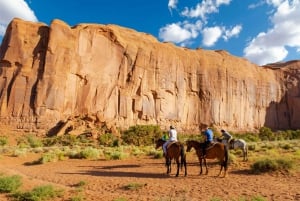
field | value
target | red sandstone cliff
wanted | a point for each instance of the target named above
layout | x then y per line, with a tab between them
115	75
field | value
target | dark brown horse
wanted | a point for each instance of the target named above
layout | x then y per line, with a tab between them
174	151
218	150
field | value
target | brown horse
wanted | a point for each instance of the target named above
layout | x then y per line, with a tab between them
174	151
218	150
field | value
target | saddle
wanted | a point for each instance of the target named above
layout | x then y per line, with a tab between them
211	145
172	142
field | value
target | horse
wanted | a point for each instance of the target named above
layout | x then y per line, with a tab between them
236	144
175	150
217	150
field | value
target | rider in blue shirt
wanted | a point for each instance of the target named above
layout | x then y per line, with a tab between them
208	138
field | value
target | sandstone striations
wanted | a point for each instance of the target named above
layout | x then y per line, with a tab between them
119	77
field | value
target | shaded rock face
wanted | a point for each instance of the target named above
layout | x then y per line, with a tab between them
122	77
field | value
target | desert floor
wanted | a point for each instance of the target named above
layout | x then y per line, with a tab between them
107	180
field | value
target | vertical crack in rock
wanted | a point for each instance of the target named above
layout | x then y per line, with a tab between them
39	55
15	74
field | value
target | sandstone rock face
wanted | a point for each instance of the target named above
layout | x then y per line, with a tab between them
122	77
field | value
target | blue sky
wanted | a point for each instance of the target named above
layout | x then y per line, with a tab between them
262	31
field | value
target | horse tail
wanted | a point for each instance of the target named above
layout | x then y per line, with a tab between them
226	157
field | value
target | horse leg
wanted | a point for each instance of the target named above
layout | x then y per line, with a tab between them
205	166
183	163
200	161
222	164
185	169
178	166
168	164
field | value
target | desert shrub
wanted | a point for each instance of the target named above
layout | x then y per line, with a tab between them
33	141
155	153
266	133
10	184
20	152
90	153
39	193
293	134
141	135
64	140
133	186
271	165
248	137
22	143
158	154
137	151
3	140
116	155
258	198
48	157
184	137
108	139
77	198
73	153
252	147
232	158
285	146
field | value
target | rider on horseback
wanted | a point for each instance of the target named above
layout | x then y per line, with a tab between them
208	139
172	138
226	136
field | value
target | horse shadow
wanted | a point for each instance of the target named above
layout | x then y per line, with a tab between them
118	174
244	172
116	171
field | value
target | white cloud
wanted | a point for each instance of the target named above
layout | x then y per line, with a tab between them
10	9
234	32
184	33
180	32
211	35
172	4
275	2
204	8
255	5
272	46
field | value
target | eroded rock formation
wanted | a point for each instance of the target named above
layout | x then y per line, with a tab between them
122	77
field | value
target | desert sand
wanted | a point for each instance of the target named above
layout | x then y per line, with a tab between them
107	180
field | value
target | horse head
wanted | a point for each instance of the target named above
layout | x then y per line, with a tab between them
159	143
188	146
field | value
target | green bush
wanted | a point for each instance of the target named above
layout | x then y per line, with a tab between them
39	193
142	135
48	157
3	140
266	133
108	139
34	142
77	198
90	153
248	137
10	184
271	165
